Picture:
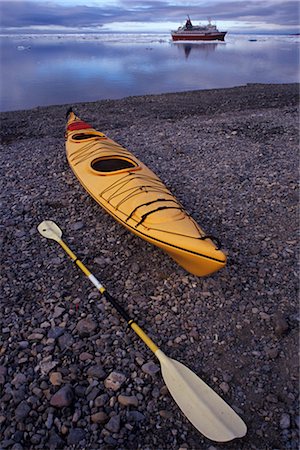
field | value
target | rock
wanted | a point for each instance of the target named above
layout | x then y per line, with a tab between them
113	424
49	421
35	337
96	372
56	378
128	400
101	400
272	398
85	356
225	387
93	394
114	381
150	368
58	312
63	397
100	417
23	345
135	416
2	419
264	316
35	439
272	352
285	421
165	414
75	436
101	261
76	415
46	365
3	372
22	411
86	327
77	226
17	446
135	268
55	441
65	341
7	443
281	326
19	380
55	332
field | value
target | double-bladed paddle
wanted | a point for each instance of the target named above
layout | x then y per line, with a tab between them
204	408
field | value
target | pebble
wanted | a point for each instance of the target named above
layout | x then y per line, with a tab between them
285	421
100	417
101	400
135	268
128	400
114	424
135	416
65	341
47	365
49	421
114	381
281	326
56	378
272	352
96	372
19	380
77	226
150	368
76	436
86	327
3	372
165	414
63	397
225	387
35	337
55	332
22	411
58	312
85	356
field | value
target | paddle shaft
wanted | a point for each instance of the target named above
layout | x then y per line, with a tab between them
145	338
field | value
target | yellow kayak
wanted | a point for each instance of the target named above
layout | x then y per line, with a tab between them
138	199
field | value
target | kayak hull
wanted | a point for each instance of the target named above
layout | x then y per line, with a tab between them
133	195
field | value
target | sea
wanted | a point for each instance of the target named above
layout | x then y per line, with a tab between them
53	69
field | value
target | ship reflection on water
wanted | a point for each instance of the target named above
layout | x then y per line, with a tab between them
205	48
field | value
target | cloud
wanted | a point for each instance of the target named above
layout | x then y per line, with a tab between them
27	14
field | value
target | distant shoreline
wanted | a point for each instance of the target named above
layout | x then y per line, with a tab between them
255	88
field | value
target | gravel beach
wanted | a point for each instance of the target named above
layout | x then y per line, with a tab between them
72	375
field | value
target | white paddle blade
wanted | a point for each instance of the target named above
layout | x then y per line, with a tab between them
204	408
50	230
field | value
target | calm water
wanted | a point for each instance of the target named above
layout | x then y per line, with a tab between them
57	69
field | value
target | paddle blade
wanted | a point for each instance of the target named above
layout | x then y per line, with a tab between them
204	408
50	230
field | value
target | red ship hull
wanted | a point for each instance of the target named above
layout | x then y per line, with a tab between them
198	37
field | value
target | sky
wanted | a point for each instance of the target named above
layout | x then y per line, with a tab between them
67	16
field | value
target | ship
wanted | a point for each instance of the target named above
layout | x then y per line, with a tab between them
190	32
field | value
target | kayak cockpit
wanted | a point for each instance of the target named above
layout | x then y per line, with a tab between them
110	165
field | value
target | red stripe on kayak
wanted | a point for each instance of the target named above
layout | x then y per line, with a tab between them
78	126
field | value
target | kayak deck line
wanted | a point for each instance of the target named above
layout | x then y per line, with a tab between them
138	199
157	240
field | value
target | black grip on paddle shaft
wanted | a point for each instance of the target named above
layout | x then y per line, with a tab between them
116	305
